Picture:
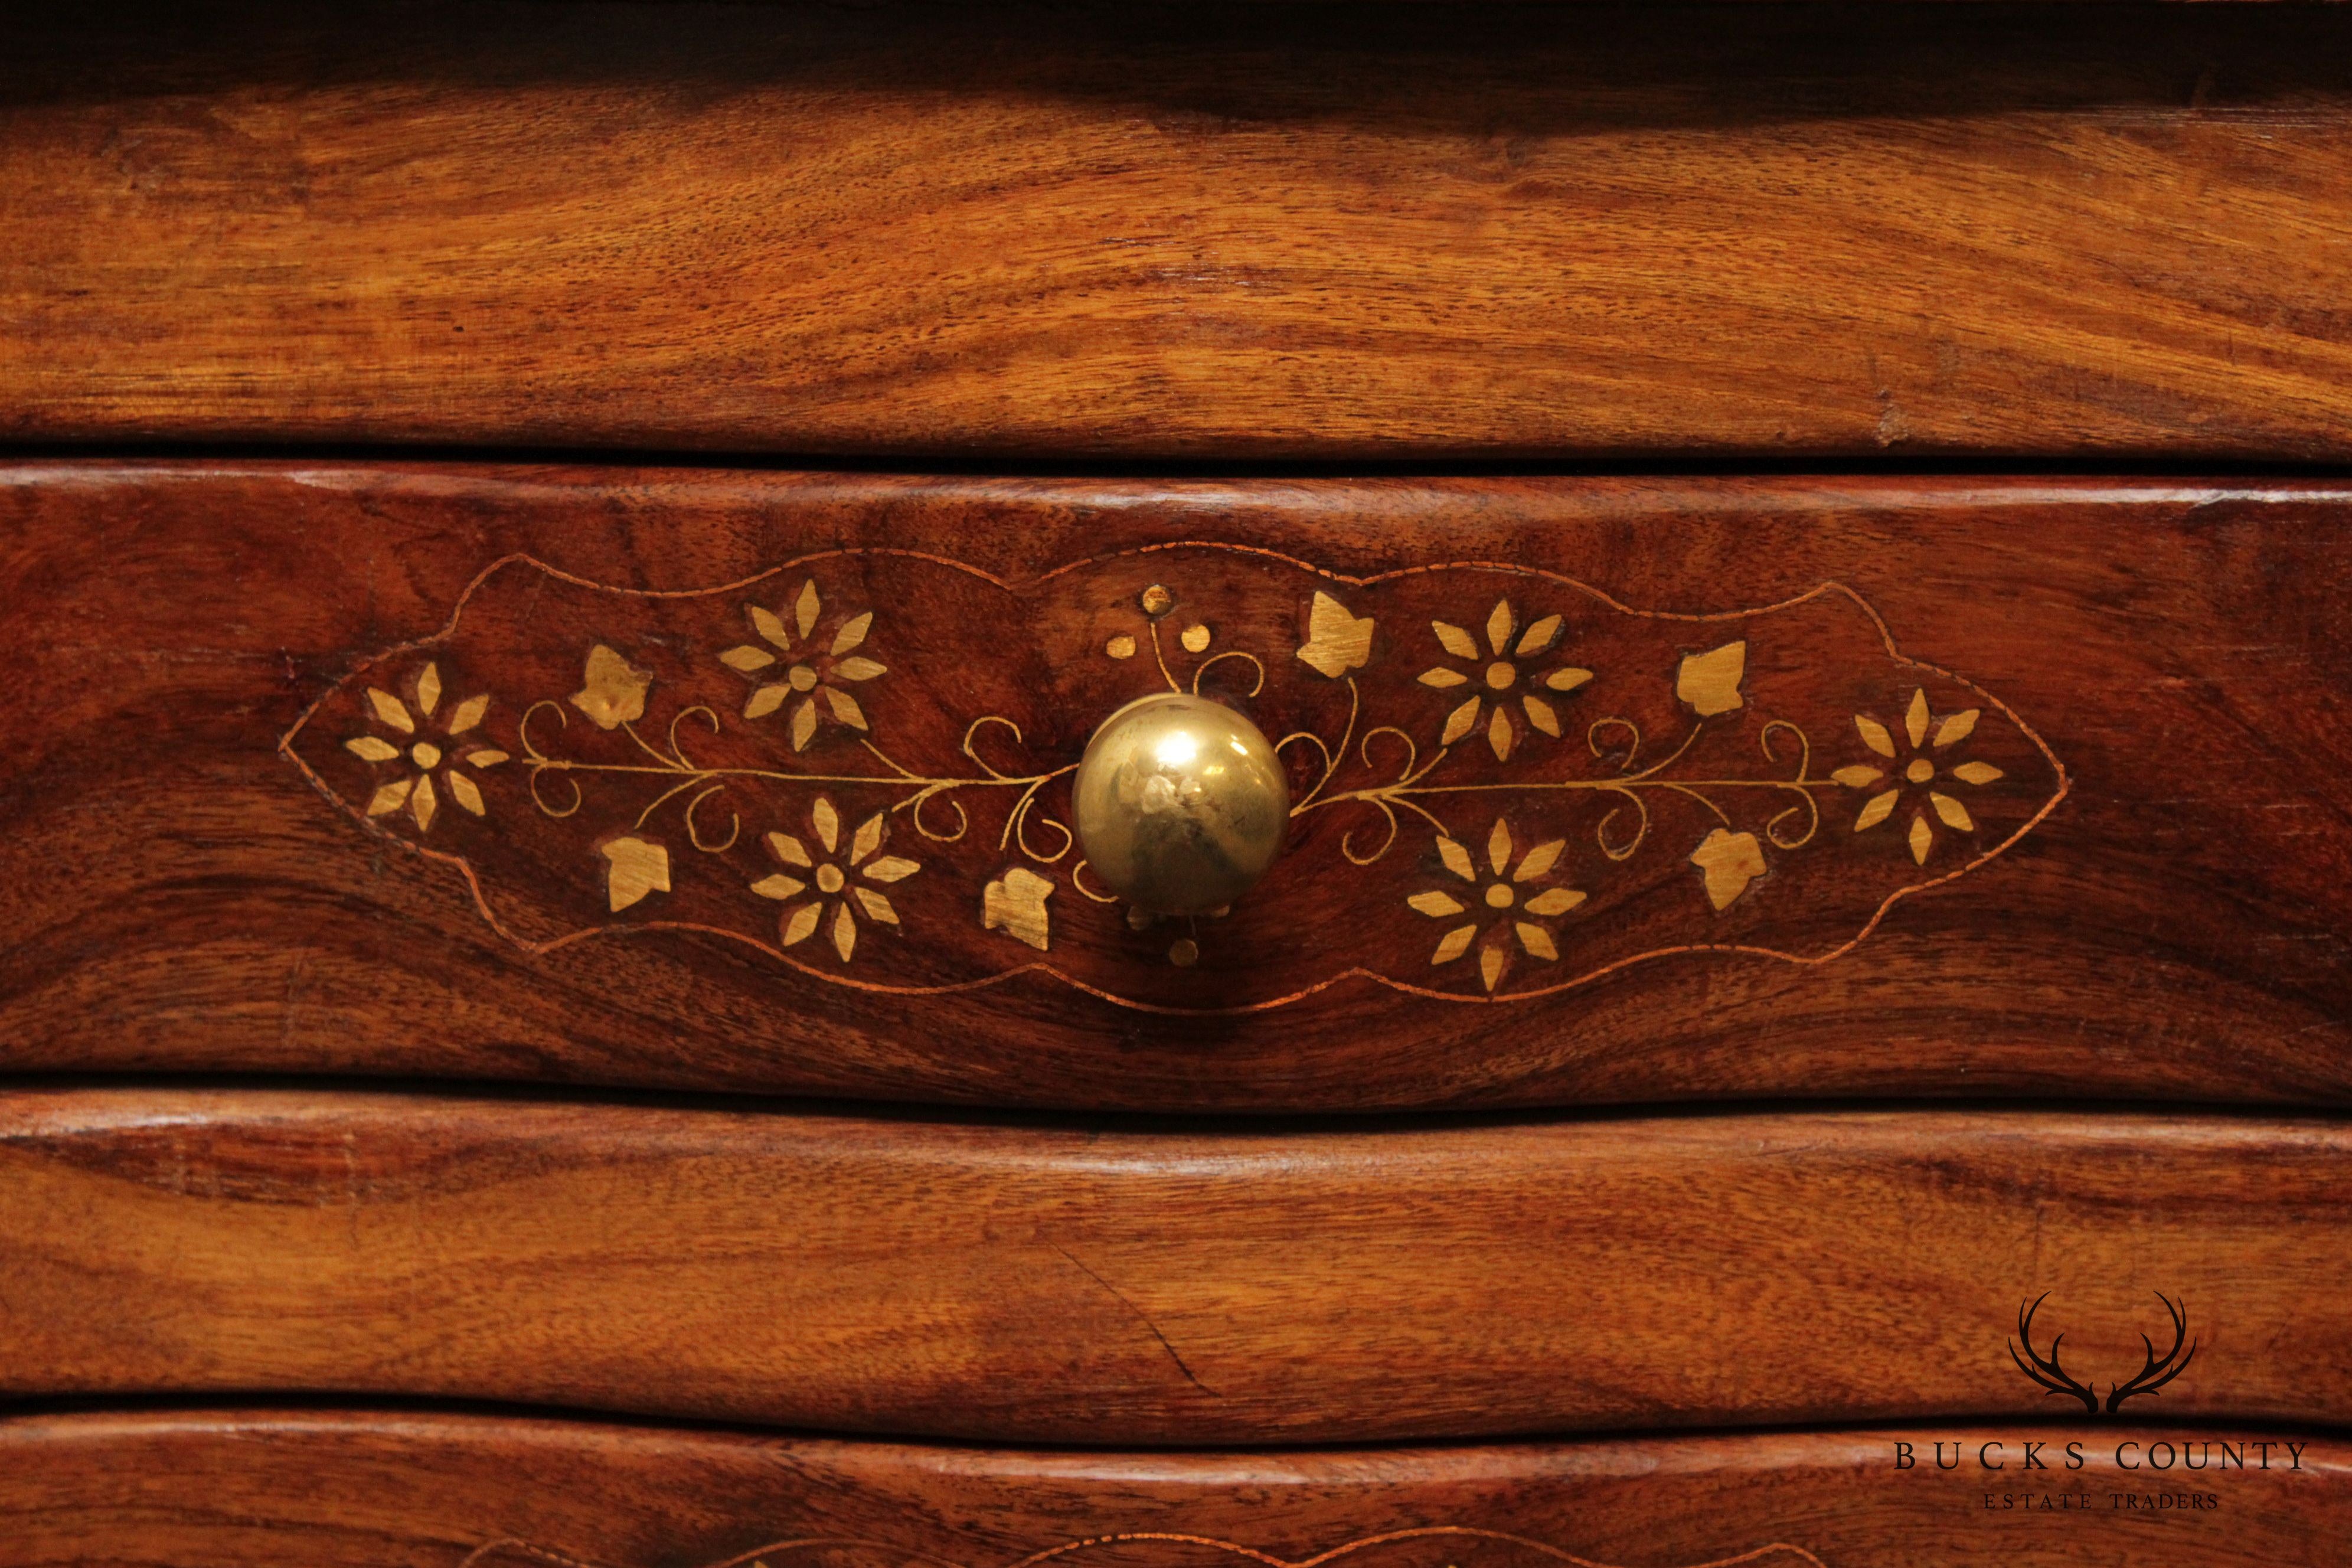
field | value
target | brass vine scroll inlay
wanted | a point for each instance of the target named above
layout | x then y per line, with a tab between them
1427	1546
1505	782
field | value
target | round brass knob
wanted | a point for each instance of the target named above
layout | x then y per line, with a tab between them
1180	804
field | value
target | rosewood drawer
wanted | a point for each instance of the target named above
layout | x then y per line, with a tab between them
1605	790
2114	232
1080	1284
370	1489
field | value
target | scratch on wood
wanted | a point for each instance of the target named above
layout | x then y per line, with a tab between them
1143	1316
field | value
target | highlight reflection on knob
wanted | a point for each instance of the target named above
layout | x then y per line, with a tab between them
1180	804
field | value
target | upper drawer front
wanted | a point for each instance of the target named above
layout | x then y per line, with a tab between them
1430	231
1598	789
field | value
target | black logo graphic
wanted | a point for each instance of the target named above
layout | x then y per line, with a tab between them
2159	1370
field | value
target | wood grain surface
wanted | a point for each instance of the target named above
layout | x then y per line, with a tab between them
1077	1285
1423	231
263	1488
179	897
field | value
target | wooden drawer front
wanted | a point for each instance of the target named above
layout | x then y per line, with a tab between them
1037	1284
264	1489
1758	230
1604	789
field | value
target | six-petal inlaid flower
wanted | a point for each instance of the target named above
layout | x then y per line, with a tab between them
1501	677
1502	894
819	669
1927	735
423	758
836	879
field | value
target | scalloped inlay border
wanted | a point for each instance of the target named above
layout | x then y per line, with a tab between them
1507	782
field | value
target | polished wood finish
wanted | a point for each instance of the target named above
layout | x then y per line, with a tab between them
287	1489
1434	231
427	792
1078	1284
179	898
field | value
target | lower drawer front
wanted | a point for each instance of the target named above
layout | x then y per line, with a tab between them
1038	1284
269	1490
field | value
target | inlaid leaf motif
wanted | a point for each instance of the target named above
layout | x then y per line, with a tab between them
1014	903
1710	681
1729	862
612	690
633	867
1337	641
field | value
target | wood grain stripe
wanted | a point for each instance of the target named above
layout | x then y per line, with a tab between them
1032	1283
1438	231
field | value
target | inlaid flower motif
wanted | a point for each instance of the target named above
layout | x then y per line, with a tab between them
819	670
1515	921
1502	677
837	879
1927	735
424	757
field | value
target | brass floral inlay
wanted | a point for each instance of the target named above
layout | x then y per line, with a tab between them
1926	736
859	762
415	753
833	888
1519	910
820	670
1421	1546
1506	680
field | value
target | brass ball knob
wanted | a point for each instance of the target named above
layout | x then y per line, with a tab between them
1180	804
